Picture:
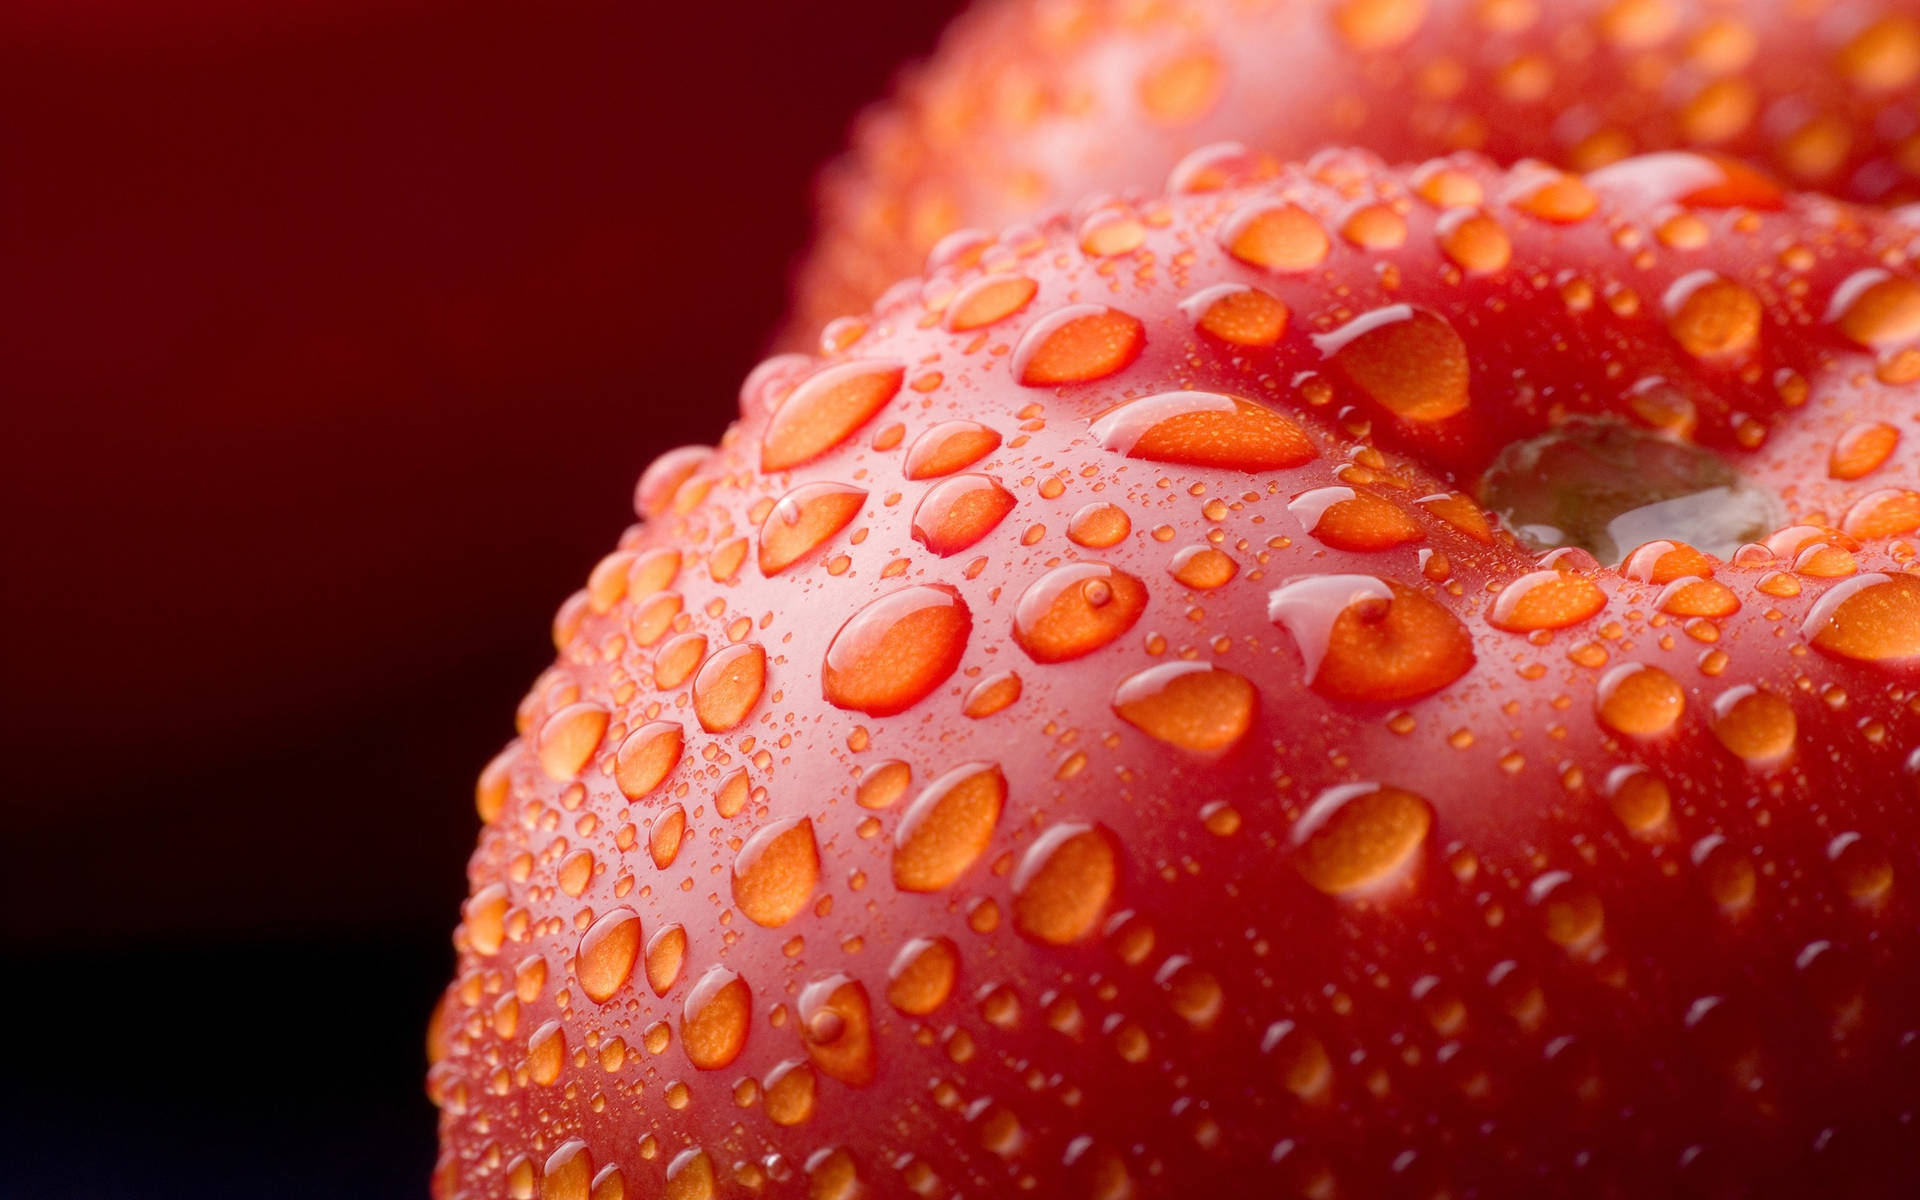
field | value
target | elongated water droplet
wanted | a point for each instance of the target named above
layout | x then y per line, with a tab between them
1204	429
714	1019
949	447
1546	599
922	975
957	512
825	410
569	737
1237	314
989	300
1875	309
1869	618
729	685
646	757
804	519
1074	610
1407	360
1276	236
1348	519
1077	344
1192	705
947	827
895	651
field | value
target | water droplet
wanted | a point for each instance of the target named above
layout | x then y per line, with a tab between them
608	950
988	301
826	409
1407	360
1756	725
1639	798
790	1091
947	827
569	1173
1371	640
646	757
1869	618
1192	991
895	651
991	695
922	975
948	447
569	737
1219	165
1182	89
1300	1060
1638	700
1204	568
729	685
1204	429
485	918
1547	599
714	1019
775	873
1063	883
1559	198
1276	236
1728	874
957	512
575	871
677	660
1098	526
1347	519
690	1176
1474	241
836	1023
883	784
666	958
1861	450
1077	344
803	519
1237	314
1875	309
659	483
546	1054
1862	867
1370	26
1712	317
1570	912
1076	609
1192	705
1358	835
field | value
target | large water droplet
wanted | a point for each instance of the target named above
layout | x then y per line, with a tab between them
947	827
1063	883
895	651
1869	618
729	685
646	757
1711	316
1237	314
1348	519
569	737
714	1019
1076	609
1756	725
948	447
1276	236
1407	360
1204	429
922	975
1639	700
1545	599
1875	309
825	410
1192	705
1357	835
955	513
1077	344
608	950
989	300
775	873
836	1023
568	1174
803	519
1371	640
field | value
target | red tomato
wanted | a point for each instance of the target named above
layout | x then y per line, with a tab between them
1079	738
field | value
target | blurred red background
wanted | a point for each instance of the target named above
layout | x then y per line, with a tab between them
333	335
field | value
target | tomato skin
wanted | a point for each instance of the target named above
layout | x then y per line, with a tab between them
955	884
1026	105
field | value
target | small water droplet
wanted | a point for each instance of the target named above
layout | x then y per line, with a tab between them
1098	526
666	958
1711	316
1204	568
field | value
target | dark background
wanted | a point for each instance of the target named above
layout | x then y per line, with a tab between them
333	336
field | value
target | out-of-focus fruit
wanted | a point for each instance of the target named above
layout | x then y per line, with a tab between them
1100	747
1030	103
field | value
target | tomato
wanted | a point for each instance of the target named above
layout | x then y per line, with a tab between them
1141	715
1028	104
